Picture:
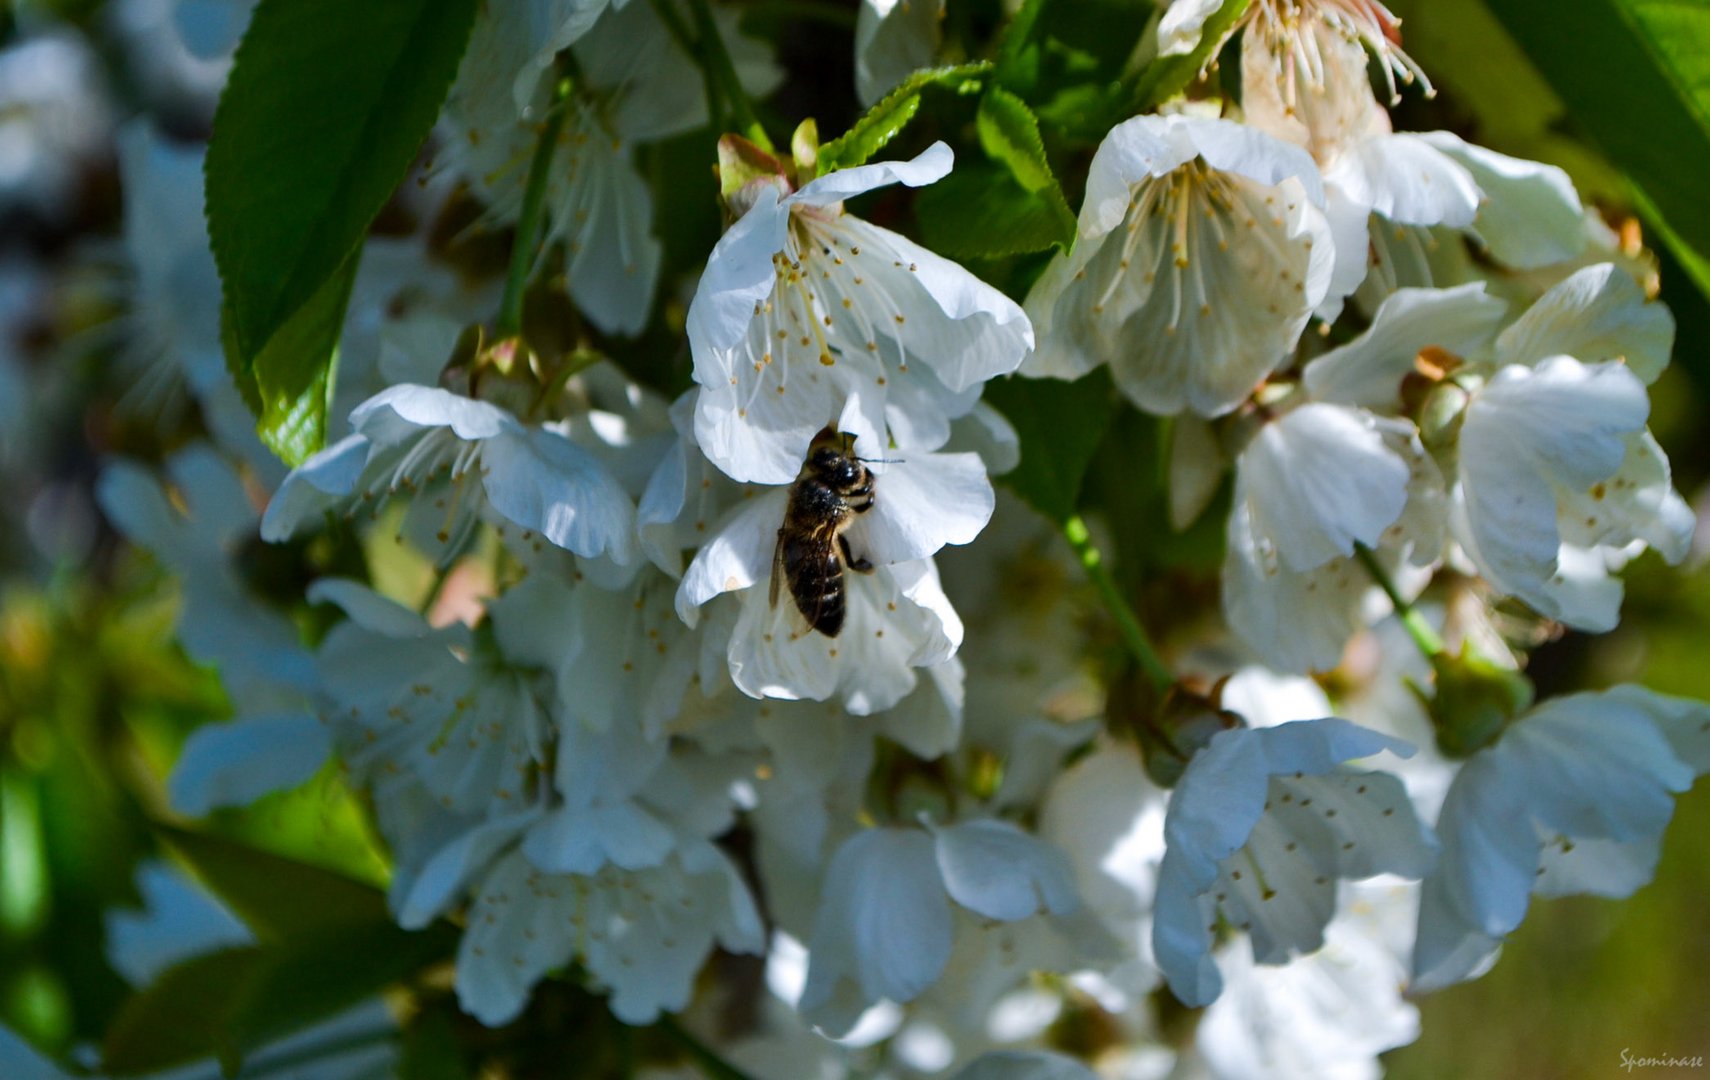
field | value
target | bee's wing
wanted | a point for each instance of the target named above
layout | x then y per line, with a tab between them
777	568
820	548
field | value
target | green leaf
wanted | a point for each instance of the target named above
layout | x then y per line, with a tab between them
293	374
230	1003
1060	425
1009	132
431	1050
328	103
1167	76
980	211
1066	58
1635	76
1018	54
885	120
181	1016
1011	206
278	898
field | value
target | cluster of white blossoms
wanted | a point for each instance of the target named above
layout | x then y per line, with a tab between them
609	743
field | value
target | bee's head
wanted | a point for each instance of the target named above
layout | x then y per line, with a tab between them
835	466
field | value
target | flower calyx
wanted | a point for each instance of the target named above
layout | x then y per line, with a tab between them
1474	699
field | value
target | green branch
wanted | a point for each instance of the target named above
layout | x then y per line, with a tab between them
717	60
1133	633
1418	629
533	209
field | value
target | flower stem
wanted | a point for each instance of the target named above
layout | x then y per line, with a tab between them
1417	628
710	1063
685	39
712	52
1133	633
533	208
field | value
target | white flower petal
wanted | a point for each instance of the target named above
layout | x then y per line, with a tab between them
213	493
394	412
542	481
883	922
1321	480
928	722
927	167
368	609
1529	433
987	432
312	487
1637	502
1684	722
1369	369
234	764
1406	180
605	219
921	503
948	320
1197	465
1586	767
132	499
1294	621
581	840
1300	621
1598	313
1611	868
179	920
1328	1014
1182	24
1531	216
518	930
737	557
739	274
993	868
442	880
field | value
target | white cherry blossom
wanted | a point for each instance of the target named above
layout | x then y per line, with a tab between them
885	925
642	935
1559	481
1333	472
460	461
1260	828
1203	251
1572	798
632	85
1533	439
439	704
898	616
1329	1013
805	309
276	741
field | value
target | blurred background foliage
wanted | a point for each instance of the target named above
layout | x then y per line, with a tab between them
96	698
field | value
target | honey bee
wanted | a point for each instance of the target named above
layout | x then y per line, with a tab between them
812	549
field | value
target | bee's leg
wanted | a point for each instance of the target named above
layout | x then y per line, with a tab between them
861	566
